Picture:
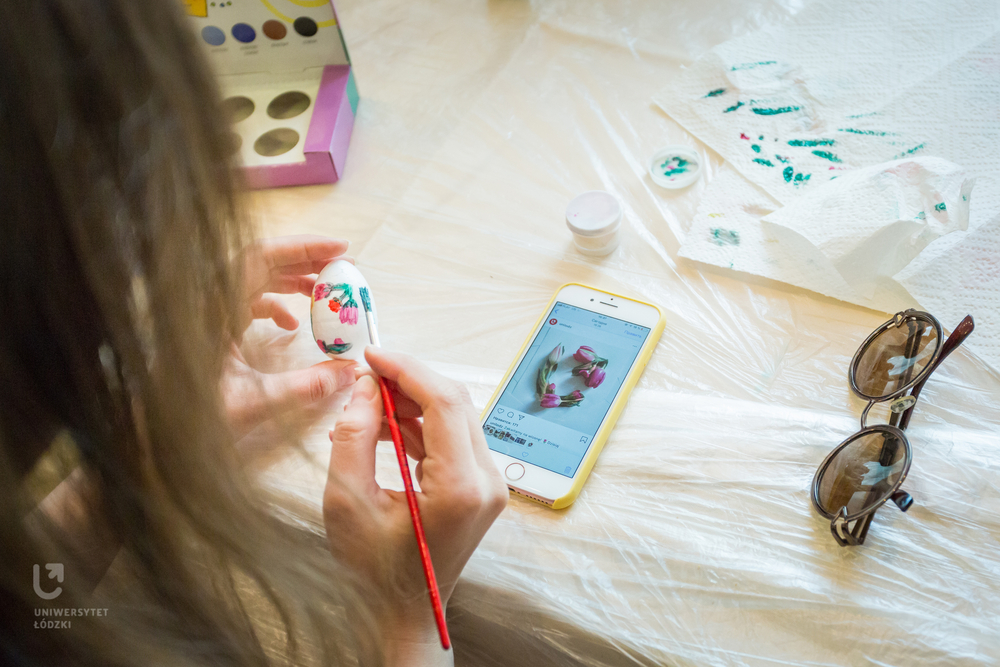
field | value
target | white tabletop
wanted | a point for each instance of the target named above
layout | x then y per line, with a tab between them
694	541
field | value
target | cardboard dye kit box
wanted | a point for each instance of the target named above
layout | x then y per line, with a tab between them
287	85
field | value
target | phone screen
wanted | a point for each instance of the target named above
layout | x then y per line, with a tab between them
521	424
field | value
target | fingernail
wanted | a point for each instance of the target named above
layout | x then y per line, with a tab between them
347	376
364	390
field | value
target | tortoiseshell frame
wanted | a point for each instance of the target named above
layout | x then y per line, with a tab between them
840	523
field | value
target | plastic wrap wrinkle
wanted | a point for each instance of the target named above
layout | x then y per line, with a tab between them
694	541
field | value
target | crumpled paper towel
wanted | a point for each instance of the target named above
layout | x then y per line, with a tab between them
893	81
728	231
959	274
871	223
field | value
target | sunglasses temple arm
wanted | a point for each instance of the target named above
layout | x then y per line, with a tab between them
854	537
860	531
956	338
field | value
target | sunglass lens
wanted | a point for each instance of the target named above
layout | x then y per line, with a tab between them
863	473
895	358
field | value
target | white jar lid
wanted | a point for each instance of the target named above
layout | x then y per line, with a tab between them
674	167
594	213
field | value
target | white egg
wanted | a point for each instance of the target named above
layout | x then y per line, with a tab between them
339	324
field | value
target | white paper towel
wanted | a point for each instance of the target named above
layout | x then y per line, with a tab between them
958	275
794	105
895	82
727	231
872	222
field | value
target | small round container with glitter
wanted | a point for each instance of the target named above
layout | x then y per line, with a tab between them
595	218
675	167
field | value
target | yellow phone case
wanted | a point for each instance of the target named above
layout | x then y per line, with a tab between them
616	408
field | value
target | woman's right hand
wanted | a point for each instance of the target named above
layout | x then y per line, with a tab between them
461	494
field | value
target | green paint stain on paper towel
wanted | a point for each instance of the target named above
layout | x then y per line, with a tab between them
716	92
873	133
940	207
724	236
909	152
734	107
788	173
774	112
826	155
766	163
736	68
810	142
756	148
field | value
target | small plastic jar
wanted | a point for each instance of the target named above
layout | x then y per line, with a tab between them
595	218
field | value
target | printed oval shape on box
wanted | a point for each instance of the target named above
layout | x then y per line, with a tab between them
340	299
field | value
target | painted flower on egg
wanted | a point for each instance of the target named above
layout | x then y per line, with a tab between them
321	291
345	304
349	313
338	295
337	347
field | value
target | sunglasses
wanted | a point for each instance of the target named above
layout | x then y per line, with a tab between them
868	469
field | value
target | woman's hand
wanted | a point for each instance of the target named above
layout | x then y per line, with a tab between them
284	265
461	494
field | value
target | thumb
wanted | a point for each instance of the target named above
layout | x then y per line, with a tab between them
352	456
291	389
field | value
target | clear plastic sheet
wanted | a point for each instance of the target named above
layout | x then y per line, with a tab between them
694	541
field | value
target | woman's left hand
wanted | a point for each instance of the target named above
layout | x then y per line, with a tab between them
283	265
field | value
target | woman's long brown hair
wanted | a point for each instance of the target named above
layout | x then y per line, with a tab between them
119	225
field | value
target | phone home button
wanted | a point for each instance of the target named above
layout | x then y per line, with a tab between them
514	471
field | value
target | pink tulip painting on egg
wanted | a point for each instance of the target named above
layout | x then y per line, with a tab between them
344	305
349	314
321	291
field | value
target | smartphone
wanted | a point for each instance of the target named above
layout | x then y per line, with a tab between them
551	415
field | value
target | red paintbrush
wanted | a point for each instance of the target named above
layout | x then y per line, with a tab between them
404	468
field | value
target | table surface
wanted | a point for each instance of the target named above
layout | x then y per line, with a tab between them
694	540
